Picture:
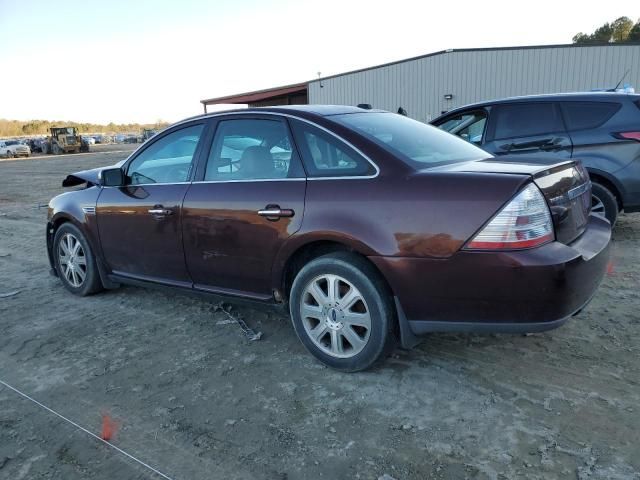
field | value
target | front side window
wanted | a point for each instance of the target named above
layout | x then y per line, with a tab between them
525	120
167	160
326	156
251	149
418	144
468	126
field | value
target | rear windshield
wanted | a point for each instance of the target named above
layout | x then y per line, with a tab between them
418	144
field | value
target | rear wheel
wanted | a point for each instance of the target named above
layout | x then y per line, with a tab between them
75	262
604	203
342	311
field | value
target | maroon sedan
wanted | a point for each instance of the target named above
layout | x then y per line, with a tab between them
369	227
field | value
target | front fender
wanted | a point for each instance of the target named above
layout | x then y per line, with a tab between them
77	207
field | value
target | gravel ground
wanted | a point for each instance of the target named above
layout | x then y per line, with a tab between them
194	399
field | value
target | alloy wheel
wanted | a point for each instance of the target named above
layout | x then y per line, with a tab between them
597	206
335	316
72	260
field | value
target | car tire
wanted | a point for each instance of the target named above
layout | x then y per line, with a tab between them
604	202
352	329
75	262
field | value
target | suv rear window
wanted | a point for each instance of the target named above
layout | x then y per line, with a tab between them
525	120
418	144
583	115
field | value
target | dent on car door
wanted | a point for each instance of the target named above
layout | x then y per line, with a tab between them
535	129
140	223
247	201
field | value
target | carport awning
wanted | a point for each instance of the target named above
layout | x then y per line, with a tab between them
258	95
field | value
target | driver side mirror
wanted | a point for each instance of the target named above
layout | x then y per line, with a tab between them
112	177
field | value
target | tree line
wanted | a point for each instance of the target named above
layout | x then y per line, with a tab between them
17	128
621	30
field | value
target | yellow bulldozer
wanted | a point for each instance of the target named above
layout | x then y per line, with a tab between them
64	140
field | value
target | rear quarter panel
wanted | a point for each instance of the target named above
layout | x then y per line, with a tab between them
427	215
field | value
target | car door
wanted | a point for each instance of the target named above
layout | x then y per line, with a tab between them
527	129
140	224
247	201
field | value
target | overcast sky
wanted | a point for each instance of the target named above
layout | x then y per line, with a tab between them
138	61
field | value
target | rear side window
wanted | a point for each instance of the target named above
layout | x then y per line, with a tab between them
584	115
326	156
525	120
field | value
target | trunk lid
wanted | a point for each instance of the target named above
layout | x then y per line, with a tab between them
565	185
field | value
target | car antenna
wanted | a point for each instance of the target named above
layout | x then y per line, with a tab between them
621	80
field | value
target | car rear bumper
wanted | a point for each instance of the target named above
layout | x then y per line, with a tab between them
519	291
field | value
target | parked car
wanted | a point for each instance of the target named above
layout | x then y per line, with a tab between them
102	138
14	148
367	226
88	140
601	129
147	133
35	144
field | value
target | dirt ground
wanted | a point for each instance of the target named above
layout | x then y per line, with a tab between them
195	400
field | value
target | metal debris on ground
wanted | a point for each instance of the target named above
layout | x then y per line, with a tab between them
251	335
9	294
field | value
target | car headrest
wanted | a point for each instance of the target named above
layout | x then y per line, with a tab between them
257	162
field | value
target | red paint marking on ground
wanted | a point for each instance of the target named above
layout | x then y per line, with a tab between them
610	268
109	427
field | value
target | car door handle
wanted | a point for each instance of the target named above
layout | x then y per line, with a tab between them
275	212
160	210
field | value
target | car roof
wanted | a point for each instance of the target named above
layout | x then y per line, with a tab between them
571	96
303	111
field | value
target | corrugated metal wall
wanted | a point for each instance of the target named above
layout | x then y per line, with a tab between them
419	85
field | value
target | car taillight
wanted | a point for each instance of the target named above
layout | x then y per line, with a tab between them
524	222
629	135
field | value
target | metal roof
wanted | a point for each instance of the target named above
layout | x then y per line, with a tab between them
258	95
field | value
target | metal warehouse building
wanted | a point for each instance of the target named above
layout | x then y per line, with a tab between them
428	85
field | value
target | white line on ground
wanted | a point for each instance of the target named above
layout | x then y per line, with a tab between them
24	395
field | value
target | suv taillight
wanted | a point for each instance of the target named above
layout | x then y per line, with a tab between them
524	222
629	135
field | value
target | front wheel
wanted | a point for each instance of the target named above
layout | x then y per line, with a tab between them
342	311
604	203
75	262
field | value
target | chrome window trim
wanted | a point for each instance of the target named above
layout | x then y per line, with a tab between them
146	184
287	115
248	180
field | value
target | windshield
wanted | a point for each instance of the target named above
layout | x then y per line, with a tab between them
418	144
